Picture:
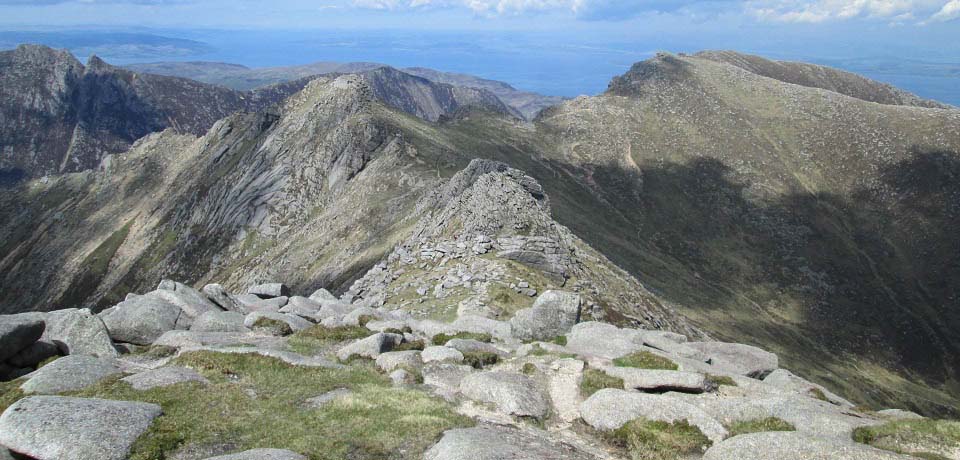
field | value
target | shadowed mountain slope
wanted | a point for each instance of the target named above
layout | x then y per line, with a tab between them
812	223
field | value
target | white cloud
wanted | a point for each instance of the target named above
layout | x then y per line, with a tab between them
813	11
948	12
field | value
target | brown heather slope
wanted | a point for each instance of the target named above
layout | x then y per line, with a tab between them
811	223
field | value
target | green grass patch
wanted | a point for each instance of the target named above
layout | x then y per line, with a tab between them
649	440
478	359
529	369
924	438
156	351
255	401
717	380
595	380
645	360
442	339
759	425
311	340
817	393
10	393
560	340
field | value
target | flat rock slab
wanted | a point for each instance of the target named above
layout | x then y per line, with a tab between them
262	454
658	380
899	414
512	394
17	333
301	306
501	443
70	373
738	358
791	445
603	340
609	409
786	380
193	339
63	428
806	414
445	378
470	345
79	332
164	376
191	301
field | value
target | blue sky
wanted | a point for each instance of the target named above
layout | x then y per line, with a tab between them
474	14
564	47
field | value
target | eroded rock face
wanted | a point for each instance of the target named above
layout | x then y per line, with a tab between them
370	347
738	358
78	331
63	428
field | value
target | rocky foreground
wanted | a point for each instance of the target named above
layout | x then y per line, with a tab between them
543	384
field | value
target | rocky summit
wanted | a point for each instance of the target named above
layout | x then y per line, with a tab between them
720	257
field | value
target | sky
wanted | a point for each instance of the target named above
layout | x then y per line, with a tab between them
578	43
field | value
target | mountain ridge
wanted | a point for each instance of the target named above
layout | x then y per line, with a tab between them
767	212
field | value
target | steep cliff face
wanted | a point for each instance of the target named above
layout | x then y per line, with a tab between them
62	116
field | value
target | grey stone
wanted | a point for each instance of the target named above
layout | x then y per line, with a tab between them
296	323
603	340
609	409
353	318
378	325
808	415
445	378
141	320
791	445
658	380
441	353
164	376
262	454
191	301
552	314
225	300
252	303
402	377
322	400
738	358
70	373
784	379
322	294
34	354
17	333
370	347
470	345
188	339
480	325
269	290
219	321
899	414
391	360
78	331
63	428
8	372
512	394
488	442
301	306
